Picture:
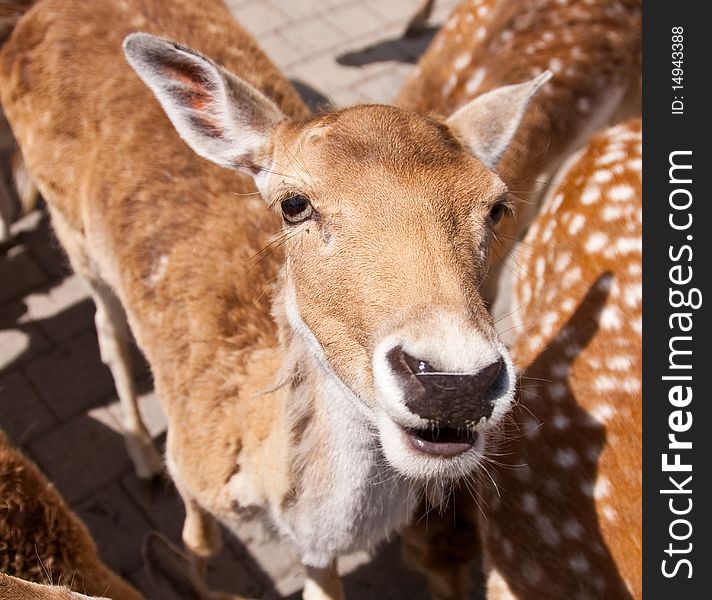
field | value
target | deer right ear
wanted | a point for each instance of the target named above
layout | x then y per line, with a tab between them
220	116
488	123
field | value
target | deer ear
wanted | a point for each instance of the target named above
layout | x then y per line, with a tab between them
221	117
488	123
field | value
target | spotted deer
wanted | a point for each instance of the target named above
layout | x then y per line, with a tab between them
561	517
592	47
307	297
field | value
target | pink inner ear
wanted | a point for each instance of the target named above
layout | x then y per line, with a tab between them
194	94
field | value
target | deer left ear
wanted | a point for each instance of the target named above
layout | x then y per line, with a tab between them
488	123
220	116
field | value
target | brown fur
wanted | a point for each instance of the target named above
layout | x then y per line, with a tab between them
234	308
598	46
42	540
599	342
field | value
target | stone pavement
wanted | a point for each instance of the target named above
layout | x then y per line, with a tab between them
56	398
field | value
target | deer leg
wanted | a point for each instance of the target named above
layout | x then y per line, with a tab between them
201	534
6	210
113	333
323	584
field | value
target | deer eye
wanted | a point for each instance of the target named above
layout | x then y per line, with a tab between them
296	209
498	211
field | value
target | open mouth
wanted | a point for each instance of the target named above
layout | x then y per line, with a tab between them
444	441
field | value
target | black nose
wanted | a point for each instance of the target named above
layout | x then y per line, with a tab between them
451	399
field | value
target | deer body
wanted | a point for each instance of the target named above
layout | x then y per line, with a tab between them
581	353
301	375
134	238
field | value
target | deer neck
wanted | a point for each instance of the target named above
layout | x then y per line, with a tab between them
336	472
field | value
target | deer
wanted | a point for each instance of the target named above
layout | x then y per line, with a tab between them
305	289
561	517
594	50
47	551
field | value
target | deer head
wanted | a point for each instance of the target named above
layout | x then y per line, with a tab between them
388	216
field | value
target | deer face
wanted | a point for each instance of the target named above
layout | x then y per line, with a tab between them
388	217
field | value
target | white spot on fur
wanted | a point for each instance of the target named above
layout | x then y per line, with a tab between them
602	489
555	65
612	213
611	157
627	245
561	421
583	104
566	458
604	383
572	529
621	193
530	503
590	195
535	341
576	224
603	413
474	82
596	242
449	85
637	325
556	203
579	564
568	305
462	61
610	318
602	176
633	294
557	391
619	363
610	513
532	428
562	262
158	270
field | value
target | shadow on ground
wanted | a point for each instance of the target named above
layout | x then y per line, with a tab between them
406	50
